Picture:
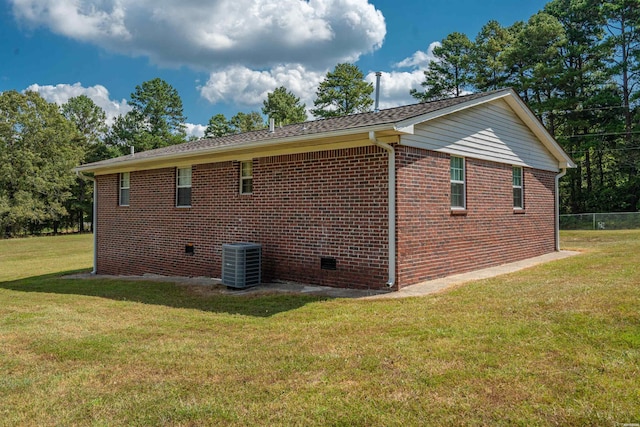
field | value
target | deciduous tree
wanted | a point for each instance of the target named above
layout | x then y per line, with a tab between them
38	149
90	121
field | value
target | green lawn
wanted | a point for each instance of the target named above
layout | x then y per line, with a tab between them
558	344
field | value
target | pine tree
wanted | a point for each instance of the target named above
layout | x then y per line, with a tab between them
343	92
284	107
218	126
450	75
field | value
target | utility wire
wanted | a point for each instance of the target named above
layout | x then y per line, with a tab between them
604	150
588	109
598	134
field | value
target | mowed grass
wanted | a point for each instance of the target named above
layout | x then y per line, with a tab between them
558	344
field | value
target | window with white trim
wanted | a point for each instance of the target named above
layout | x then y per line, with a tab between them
518	194
183	187
457	183
125	184
246	177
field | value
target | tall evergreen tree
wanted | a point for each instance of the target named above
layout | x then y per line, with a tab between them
536	62
155	121
583	100
450	74
623	28
343	92
218	126
90	120
284	107
489	71
247	122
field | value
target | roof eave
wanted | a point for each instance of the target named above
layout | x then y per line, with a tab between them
263	145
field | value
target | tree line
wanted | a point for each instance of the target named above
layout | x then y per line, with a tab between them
40	143
577	65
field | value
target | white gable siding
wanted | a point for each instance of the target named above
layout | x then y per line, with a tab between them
490	131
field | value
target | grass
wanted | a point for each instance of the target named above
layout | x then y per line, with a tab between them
558	344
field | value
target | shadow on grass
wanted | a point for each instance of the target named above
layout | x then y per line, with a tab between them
162	293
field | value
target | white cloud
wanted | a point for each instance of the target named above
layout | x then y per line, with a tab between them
195	130
249	47
61	93
419	59
215	34
243	86
395	85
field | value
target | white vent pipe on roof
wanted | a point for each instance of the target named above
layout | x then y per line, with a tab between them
272	125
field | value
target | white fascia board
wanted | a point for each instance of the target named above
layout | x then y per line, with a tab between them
409	129
533	123
130	161
409	123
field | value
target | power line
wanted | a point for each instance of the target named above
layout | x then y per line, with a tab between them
599	134
589	109
604	150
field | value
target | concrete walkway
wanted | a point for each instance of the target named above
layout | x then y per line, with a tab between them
213	285
437	285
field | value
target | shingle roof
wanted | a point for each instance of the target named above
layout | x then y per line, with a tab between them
315	127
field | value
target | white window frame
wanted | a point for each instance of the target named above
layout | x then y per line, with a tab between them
124	184
458	182
519	186
180	184
246	178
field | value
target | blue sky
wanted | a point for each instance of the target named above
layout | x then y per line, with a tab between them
224	56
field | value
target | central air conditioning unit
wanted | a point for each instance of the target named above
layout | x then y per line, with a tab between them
241	265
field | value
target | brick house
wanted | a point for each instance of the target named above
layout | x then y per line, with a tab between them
373	200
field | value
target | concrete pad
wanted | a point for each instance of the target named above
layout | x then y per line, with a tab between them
437	285
425	288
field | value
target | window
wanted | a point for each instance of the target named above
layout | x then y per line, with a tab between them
457	183
246	177
125	183
518	200
183	187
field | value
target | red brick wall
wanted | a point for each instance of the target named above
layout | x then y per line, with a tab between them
332	204
434	243
303	207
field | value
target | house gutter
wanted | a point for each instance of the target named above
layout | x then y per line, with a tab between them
137	161
558	176
94	220
392	205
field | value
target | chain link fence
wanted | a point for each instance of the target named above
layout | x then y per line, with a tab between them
601	221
